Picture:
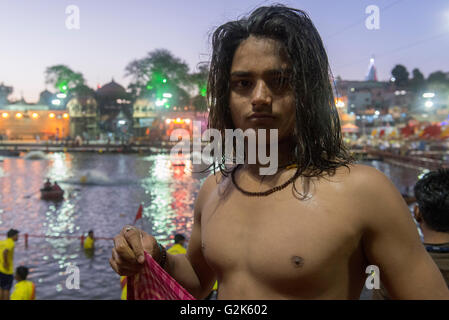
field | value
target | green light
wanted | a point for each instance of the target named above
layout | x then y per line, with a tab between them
63	87
164	81
149	87
203	91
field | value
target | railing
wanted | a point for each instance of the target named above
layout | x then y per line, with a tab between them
424	162
81	238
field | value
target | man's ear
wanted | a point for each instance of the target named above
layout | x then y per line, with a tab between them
417	214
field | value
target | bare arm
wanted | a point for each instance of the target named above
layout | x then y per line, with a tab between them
5	259
190	270
391	241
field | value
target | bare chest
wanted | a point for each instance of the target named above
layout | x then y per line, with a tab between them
280	240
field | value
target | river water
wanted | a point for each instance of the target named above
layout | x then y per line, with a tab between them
114	187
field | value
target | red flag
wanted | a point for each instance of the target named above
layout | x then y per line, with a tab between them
139	214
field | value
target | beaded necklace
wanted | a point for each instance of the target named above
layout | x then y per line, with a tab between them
264	193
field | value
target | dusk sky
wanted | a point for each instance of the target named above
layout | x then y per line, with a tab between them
33	36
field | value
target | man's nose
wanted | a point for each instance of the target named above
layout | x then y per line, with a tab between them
261	95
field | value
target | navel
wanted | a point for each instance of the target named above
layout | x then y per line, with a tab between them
297	261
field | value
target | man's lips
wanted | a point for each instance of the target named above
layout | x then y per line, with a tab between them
261	116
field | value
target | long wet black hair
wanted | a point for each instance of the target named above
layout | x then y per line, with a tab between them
319	147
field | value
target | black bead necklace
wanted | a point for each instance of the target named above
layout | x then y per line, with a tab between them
263	193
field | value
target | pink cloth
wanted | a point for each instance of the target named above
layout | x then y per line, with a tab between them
153	283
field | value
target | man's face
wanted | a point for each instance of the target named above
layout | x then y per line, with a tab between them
261	96
15	237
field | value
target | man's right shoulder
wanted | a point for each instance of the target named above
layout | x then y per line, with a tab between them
209	186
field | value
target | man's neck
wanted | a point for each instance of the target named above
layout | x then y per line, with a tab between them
285	157
434	237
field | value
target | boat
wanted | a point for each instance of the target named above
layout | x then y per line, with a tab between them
54	195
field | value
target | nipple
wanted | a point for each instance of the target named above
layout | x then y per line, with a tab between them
297	261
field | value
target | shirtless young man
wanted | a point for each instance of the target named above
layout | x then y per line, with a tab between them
314	238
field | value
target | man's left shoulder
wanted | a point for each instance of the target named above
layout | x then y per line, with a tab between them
363	176
365	184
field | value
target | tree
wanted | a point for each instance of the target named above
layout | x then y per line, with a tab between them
401	75
438	83
438	77
418	82
160	73
199	79
5	91
63	78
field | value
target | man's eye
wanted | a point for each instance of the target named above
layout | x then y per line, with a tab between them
242	84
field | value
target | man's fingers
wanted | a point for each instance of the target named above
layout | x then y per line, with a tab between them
134	239
116	257
121	270
113	265
123	249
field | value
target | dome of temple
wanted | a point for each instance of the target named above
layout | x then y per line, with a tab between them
112	90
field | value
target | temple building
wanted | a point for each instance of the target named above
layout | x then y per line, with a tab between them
24	121
114	109
372	72
83	117
144	115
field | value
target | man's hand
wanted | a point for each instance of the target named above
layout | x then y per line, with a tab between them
128	252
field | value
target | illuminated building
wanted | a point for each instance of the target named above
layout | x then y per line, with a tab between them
83	117
114	109
144	114
25	121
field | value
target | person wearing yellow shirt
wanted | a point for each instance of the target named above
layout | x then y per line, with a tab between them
123	284
89	242
24	289
6	263
178	247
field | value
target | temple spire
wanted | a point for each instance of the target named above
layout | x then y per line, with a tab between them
372	72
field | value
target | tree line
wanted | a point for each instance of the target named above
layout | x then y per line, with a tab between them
157	75
416	82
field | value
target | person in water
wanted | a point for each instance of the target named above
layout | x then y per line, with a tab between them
310	230
47	185
178	246
89	242
56	187
24	289
7	263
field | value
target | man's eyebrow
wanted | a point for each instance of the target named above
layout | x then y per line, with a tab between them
265	73
241	74
278	71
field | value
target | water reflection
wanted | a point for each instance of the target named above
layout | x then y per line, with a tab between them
168	186
166	189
